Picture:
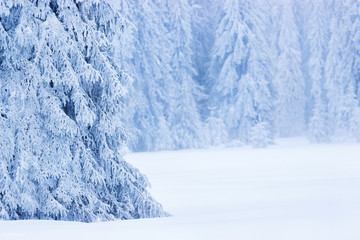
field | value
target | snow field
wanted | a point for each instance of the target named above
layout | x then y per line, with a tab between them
292	190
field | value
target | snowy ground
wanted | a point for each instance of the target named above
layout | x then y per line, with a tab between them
290	191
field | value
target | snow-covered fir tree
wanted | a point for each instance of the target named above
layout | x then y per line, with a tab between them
61	107
255	94
240	71
149	101
139	119
256	63
317	37
228	56
163	113
342	70
185	123
204	21
288	79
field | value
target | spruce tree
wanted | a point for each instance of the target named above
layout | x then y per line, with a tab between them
242	83
317	37
288	79
61	107
184	118
342	71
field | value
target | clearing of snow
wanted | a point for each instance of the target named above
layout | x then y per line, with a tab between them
291	190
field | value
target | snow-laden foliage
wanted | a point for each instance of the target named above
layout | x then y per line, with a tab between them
61	105
161	107
288	79
212	72
317	35
202	72
204	21
149	102
342	70
241	94
184	117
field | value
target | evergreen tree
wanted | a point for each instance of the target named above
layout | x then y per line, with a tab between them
185	123
139	120
342	71
204	20
61	108
255	95
227	67
241	92
317	36
288	79
353	56
161	105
